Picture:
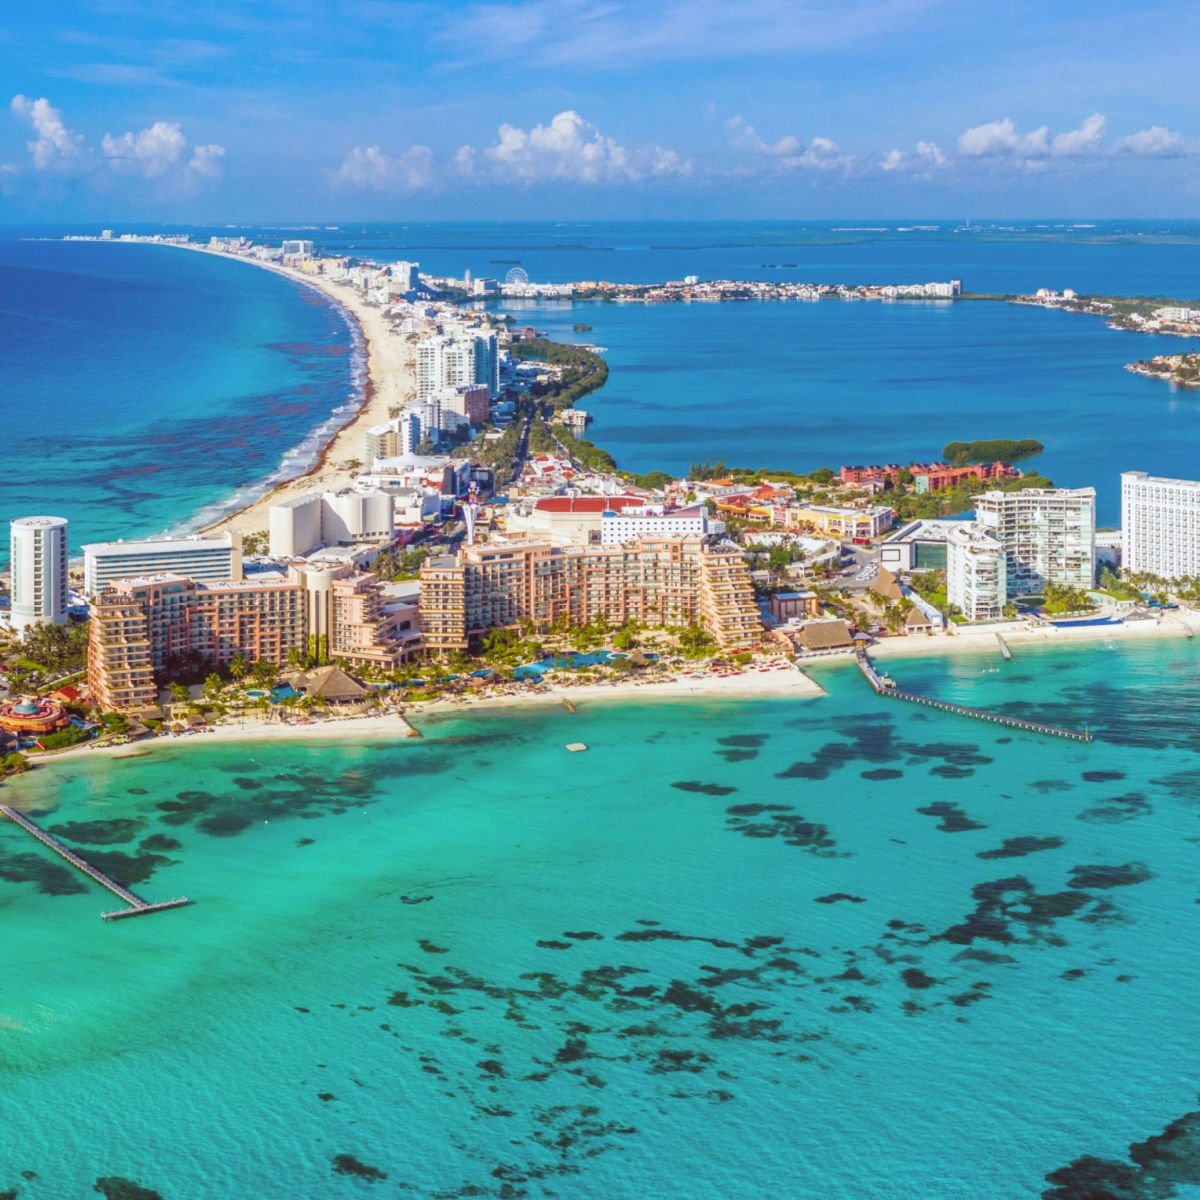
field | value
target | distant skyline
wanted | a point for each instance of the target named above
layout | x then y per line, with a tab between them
286	110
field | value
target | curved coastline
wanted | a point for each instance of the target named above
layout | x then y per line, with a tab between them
381	371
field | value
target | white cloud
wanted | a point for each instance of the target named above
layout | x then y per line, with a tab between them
372	170
998	139
1155	142
151	153
1087	139
571	148
1001	137
745	136
926	157
568	148
160	152
788	152
207	161
55	147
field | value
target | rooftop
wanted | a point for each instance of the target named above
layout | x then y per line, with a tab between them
587	504
158	545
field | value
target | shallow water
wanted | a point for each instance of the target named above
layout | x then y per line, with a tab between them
733	950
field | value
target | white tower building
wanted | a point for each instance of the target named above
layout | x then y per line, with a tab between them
1160	518
1048	536
976	579
408	433
39	572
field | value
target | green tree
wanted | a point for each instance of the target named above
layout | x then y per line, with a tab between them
179	693
213	686
14	764
238	667
264	674
1060	598
626	638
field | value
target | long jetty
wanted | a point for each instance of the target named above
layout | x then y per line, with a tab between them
137	906
979	714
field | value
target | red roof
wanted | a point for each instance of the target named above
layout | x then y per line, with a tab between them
587	504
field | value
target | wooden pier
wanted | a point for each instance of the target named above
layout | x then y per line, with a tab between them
883	688
137	906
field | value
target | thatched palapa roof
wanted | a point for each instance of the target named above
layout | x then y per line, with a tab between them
328	683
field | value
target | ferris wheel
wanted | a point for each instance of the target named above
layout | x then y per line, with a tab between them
517	276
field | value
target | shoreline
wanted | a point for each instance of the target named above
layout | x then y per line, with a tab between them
1174	627
776	684
794	683
389	381
404	725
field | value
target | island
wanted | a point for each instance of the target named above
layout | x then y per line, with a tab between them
1180	369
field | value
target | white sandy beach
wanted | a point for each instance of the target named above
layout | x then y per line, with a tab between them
391	382
751	685
389	726
776	684
977	640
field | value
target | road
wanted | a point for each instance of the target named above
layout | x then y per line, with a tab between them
523	448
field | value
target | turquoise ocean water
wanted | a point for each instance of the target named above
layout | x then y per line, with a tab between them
831	947
144	388
828	948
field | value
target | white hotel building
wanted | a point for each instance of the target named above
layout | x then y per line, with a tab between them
618	526
1160	521
206	559
315	519
976	574
1048	536
39	572
454	360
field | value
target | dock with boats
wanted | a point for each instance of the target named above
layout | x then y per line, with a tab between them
136	905
884	686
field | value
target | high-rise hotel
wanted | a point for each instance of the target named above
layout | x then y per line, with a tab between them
39	571
1160	523
1048	536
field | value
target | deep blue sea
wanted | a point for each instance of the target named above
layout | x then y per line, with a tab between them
143	388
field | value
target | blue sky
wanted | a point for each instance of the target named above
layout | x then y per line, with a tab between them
211	110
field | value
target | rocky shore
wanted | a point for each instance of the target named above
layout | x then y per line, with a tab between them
1180	369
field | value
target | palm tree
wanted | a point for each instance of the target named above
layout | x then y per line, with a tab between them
265	674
